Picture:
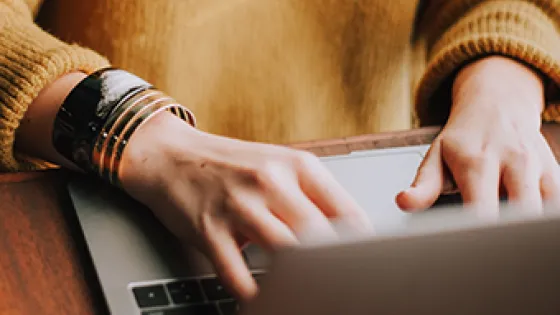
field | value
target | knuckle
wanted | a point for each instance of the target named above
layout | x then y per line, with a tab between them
304	160
463	155
449	145
518	154
449	140
473	160
233	200
272	171
268	172
243	204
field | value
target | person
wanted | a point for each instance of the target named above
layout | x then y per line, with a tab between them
261	74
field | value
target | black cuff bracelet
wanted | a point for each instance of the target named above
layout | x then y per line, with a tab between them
86	109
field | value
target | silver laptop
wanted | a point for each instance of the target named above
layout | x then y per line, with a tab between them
452	262
142	269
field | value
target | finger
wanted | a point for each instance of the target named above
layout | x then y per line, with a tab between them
521	179
229	263
478	180
268	231
323	190
550	187
288	202
255	221
428	183
550	180
300	213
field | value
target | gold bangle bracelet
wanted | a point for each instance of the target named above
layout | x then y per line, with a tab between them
126	128
106	134
118	129
114	130
140	119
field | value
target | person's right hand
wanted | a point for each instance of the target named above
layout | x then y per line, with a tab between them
218	193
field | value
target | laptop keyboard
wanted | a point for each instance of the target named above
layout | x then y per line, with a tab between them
200	296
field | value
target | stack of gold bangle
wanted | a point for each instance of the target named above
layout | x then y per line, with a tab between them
122	123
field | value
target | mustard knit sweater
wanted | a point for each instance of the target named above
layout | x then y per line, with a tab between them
273	70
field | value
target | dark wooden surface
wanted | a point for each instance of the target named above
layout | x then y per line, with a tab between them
44	267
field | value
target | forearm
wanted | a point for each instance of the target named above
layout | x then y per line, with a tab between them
34	135
30	61
455	33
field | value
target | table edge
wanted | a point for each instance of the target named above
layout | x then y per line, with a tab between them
325	147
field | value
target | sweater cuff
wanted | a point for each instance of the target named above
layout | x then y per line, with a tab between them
31	59
515	29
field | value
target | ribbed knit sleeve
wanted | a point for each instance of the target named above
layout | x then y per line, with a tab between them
454	33
30	59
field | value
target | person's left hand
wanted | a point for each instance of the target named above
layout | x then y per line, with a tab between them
491	143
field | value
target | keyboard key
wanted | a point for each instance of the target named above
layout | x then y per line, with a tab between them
183	292
214	289
150	296
203	309
229	307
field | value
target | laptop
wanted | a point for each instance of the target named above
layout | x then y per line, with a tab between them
449	261
143	269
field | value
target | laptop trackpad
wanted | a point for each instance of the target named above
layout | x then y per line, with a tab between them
375	177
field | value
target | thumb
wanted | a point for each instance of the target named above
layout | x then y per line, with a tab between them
427	185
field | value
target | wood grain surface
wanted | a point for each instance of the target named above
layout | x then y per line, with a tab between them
44	268
44	265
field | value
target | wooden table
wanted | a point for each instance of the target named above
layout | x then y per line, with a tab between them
44	265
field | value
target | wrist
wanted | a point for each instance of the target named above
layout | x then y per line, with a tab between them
501	83
152	148
100	114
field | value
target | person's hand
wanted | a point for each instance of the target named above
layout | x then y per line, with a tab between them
218	193
492	142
